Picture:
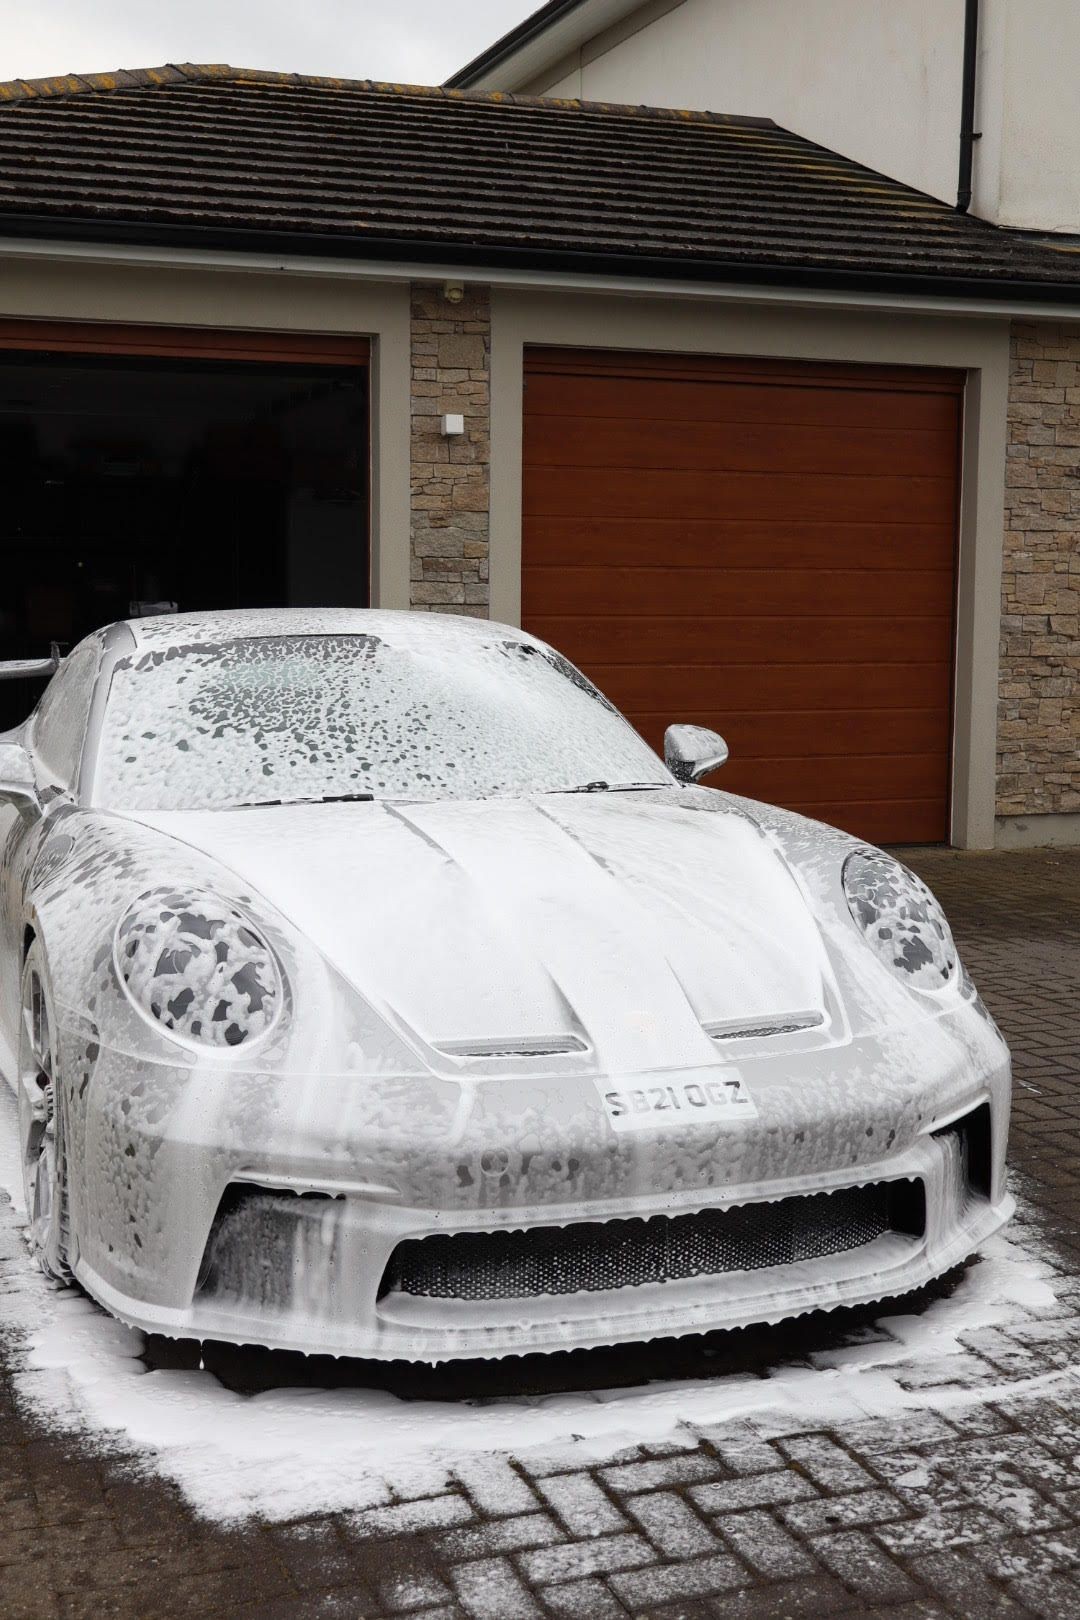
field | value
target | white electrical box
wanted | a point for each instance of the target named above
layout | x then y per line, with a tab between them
452	426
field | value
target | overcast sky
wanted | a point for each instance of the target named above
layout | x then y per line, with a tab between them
412	41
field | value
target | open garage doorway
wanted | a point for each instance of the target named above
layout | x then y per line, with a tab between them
141	469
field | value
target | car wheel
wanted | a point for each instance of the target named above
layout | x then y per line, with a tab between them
41	1122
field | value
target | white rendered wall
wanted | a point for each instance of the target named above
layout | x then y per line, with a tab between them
878	80
1039	156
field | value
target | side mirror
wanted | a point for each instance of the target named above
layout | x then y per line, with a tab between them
30	669
691	752
17	785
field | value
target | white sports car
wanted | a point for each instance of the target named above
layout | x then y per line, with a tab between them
370	987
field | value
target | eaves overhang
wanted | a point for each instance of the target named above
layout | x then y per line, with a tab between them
540	39
490	263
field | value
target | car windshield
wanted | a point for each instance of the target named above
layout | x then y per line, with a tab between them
295	718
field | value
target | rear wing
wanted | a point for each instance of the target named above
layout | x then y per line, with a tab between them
28	669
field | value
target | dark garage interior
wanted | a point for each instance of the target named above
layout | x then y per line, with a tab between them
132	481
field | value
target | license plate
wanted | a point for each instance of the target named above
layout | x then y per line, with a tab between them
683	1102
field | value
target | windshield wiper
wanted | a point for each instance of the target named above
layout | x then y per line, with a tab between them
610	787
331	798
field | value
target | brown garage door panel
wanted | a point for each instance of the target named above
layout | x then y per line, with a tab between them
695	591
609	492
556	542
764	547
895	821
870	777
754	641
693	689
773	405
810	733
613	442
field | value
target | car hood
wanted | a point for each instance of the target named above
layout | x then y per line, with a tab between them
619	925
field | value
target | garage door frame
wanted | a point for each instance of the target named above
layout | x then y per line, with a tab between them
184	342
736	323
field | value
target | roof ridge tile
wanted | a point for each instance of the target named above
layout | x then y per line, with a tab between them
222	73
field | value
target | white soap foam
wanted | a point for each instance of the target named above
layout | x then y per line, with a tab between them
294	1452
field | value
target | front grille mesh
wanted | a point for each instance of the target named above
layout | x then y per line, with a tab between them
593	1256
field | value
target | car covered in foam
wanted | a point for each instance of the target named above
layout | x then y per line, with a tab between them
370	987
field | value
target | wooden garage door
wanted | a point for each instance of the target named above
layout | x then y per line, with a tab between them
764	548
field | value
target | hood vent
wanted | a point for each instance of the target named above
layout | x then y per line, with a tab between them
526	1046
781	1024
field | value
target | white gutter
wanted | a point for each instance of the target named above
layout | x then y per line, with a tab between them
349	269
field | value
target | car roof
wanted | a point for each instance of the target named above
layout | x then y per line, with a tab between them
161	631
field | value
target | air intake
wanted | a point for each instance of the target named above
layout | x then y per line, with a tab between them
512	1046
735	1029
593	1256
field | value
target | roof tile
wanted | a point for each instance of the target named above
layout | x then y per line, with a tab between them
361	167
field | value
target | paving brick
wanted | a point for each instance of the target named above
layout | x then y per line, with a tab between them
951	1528
741	1450
766	1545
25	1600
429	1513
861	1565
1051	1595
755	1490
507	1535
842	1512
315	1554
683	1609
977	1420
674	1529
1028	1555
921	1609
972	1593
648	1588
897	1432
583	1600
827	1464
491	1589
413	1591
687	1469
495	1486
786	1600
584	1508
569	1563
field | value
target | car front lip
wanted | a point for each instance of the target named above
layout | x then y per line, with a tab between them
336	1310
402	1160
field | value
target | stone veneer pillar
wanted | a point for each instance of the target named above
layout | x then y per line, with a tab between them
1039	707
450	360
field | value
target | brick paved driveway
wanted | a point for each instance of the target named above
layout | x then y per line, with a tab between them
969	1510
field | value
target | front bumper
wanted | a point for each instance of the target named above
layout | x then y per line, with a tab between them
322	1295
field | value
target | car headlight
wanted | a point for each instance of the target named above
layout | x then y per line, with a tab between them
198	967
900	919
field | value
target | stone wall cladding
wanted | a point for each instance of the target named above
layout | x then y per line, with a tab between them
451	355
1039	710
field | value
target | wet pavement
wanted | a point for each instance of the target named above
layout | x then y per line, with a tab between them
965	1504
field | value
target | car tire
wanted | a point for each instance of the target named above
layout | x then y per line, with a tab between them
42	1136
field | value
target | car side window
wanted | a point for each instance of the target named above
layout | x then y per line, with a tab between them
59	723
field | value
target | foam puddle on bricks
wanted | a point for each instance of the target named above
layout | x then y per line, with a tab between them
296	1451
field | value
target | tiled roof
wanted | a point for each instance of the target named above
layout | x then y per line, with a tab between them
219	154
